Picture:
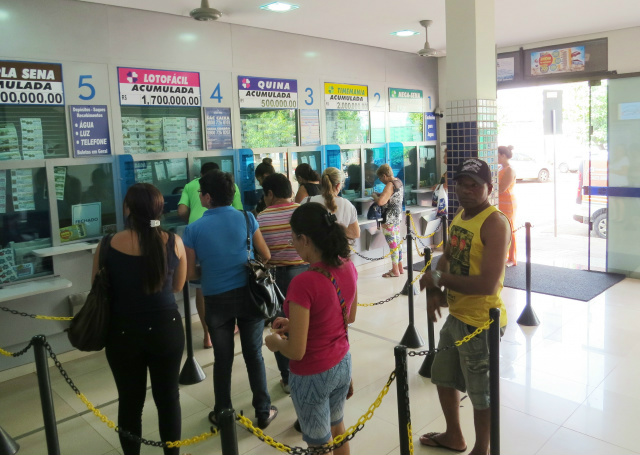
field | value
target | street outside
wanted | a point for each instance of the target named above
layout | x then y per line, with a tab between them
569	248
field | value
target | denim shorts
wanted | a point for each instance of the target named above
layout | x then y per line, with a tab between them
319	400
465	368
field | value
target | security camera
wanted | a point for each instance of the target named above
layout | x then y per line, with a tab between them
438	112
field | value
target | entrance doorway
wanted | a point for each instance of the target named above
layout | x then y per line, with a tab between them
555	131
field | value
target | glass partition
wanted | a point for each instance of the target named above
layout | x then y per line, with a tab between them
33	132
278	161
352	167
410	174
224	162
347	127
25	224
374	157
312	158
153	129
268	128
428	167
85	196
406	126
378	133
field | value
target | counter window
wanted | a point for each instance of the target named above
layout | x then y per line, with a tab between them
224	162
153	129
86	200
268	128
310	158
347	127
25	224
278	161
378	133
428	167
406	126
374	157
410	174
33	132
352	168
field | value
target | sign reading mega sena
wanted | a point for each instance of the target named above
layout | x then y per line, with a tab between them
263	92
346	97
147	87
31	83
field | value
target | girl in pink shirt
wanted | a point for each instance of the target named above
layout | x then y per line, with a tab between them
317	323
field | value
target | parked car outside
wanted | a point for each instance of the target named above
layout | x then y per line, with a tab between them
598	217
528	168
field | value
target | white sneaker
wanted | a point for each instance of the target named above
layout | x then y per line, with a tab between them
285	387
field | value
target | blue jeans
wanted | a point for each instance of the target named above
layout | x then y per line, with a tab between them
222	313
284	275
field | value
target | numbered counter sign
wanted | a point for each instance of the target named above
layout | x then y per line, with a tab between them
146	87
31	83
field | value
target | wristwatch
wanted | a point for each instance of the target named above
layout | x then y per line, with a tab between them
436	275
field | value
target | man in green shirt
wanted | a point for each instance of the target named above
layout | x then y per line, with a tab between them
190	209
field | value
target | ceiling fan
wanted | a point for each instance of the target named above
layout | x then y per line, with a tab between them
427	50
205	13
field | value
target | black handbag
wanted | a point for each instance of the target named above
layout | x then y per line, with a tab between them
263	291
88	330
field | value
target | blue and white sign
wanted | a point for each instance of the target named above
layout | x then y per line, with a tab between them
430	127
217	122
90	130
89	214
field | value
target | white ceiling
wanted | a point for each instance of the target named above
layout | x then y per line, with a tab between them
370	22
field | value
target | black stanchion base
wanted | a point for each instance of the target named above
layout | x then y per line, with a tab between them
8	446
412	338
405	289
191	372
425	369
528	317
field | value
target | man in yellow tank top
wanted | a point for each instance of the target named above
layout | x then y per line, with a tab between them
472	273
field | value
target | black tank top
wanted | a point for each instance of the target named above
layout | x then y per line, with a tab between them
125	276
313	189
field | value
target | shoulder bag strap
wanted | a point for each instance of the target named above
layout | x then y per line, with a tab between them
105	244
343	304
246	218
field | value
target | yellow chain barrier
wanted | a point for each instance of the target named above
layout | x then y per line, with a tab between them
386	255
338	439
478	331
54	318
410	438
415	230
170	444
6	353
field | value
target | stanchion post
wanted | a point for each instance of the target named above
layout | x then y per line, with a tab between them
8	446
411	338
228	435
46	397
425	369
494	379
528	316
191	372
404	408
444	225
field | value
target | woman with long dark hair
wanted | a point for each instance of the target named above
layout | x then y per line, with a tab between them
319	306
263	170
309	181
146	265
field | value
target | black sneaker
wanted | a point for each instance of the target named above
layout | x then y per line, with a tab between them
296	426
264	423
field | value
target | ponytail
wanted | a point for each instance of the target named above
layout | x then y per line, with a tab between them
331	177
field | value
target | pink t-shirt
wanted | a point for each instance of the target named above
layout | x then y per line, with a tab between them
327	340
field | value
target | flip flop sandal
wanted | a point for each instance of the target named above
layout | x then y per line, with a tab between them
431	436
389	275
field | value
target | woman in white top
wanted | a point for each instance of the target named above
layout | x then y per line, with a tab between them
344	210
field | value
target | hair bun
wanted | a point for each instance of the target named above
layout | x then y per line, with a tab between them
267	161
510	147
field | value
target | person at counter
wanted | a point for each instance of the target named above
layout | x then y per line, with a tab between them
344	210
190	209
391	202
263	170
309	181
146	266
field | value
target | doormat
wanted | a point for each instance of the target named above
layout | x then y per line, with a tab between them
557	281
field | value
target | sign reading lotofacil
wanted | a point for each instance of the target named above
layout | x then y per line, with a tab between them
147	87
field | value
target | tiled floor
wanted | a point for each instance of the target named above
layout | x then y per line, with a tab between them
568	386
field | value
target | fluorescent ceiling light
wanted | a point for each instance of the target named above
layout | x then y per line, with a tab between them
279	7
405	33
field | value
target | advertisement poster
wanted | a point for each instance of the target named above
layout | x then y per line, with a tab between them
430	127
90	215
556	61
506	69
32	144
22	189
217	122
405	100
90	130
60	179
3	192
147	87
31	83
309	127
9	148
264	92
346	97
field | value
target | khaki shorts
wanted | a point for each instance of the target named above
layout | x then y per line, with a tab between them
465	368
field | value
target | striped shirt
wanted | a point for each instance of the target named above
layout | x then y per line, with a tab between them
276	230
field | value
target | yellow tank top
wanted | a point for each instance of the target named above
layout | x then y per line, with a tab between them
466	259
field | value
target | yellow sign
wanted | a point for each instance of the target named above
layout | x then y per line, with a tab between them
346	97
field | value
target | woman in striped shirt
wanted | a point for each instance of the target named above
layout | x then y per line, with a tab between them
276	230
